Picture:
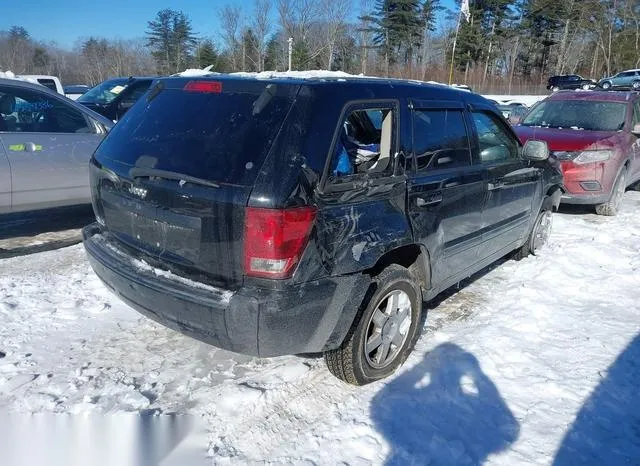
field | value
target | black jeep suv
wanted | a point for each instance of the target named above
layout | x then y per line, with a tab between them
288	216
570	81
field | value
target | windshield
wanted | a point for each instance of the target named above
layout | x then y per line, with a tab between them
578	114
216	136
105	92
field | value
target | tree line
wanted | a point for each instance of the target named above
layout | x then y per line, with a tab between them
505	46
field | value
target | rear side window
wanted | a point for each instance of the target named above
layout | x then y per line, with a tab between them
136	92
440	139
29	111
50	83
221	134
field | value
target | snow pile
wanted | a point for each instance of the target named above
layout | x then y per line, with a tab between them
11	75
195	72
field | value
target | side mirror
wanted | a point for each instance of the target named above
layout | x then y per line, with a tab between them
536	151
636	130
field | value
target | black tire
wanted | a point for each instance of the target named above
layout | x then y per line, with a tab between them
612	207
350	362
586	87
538	236
555	89
606	85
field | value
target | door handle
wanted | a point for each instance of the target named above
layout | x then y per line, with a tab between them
432	199
497	184
30	147
26	147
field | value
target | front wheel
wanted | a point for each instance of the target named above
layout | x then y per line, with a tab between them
606	86
538	237
385	333
555	89
586	87
635	85
612	207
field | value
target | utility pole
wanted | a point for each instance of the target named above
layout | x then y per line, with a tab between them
290	51
464	10
453	52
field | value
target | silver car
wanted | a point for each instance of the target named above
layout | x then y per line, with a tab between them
46	141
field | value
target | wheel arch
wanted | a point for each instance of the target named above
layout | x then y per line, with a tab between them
414	257
552	198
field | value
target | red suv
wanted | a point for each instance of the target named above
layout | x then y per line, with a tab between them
594	137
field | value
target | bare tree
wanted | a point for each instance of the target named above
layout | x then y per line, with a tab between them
230	23
297	19
262	28
334	15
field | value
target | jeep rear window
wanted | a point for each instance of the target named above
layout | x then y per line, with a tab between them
218	136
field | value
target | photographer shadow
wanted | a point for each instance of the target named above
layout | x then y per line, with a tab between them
444	411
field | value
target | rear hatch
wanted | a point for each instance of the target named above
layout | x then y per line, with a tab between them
171	181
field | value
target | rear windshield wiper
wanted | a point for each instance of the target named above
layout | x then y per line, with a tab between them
142	172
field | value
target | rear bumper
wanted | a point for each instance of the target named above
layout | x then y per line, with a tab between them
305	318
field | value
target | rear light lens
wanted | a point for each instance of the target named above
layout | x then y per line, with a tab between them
211	87
274	240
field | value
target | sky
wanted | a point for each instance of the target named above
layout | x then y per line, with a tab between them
67	21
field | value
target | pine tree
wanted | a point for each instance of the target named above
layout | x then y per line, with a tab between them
399	30
207	55
171	37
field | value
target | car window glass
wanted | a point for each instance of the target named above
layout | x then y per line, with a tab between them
50	83
364	143
589	115
636	113
26	110
440	139
496	143
137	92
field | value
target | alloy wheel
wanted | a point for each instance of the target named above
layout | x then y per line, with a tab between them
388	329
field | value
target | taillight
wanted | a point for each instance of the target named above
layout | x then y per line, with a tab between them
274	240
213	87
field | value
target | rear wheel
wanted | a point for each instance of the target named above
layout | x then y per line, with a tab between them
613	206
606	85
586	87
538	237
384	335
635	85
555	89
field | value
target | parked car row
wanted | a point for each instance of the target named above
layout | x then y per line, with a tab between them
628	80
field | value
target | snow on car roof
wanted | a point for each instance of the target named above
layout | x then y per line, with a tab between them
10	75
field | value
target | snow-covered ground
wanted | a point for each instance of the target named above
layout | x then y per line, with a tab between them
530	362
